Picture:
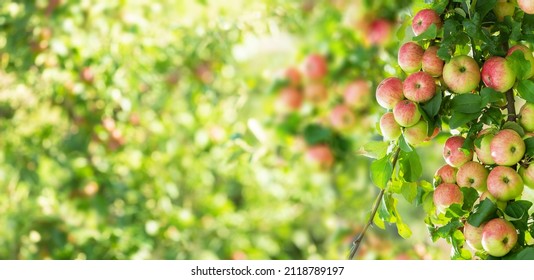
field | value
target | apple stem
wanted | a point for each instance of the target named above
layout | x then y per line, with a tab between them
358	240
510	106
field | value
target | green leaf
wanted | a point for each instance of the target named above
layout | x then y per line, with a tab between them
483	7
431	107
459	119
374	149
519	211
529	143
484	211
403	145
410	165
525	254
440	5
515	127
381	171
430	33
525	89
409	191
520	65
455	211
317	134
470	196
490	95
446	230
466	103
403	230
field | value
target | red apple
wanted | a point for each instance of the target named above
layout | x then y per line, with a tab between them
482	149
461	74
432	64
446	174
419	87
389	93
527	53
87	75
474	175
321	155
507	147
527	6
357	94
504	8
526	117
527	174
504	183
342	117
498	74
416	134
498	237
410	57
293	76
424	19
473	235
379	32
316	92
315	67
406	113
452	153
290	99
446	195
390	129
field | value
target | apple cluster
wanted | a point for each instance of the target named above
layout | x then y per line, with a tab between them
307	85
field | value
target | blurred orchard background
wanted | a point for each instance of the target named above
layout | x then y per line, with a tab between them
168	130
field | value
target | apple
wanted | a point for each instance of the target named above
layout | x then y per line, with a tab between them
416	134
321	155
452	153
424	19
504	8
527	174
316	92
431	63
527	53
293	76
389	93
315	66
446	195
507	147
482	146
379	32
406	113
87	75
446	174
526	116
419	87
498	74
474	175
473	236
342	117
498	237
527	6
357	94
410	57
461	74
390	129
504	183
290	99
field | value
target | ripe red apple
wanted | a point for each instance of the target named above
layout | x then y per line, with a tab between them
507	147
416	134
504	183
504	8
453	155
446	174
498	74
290	99
410	57
527	174
527	6
357	94
432	64
474	175
424	19
527	53
419	87
315	66
498	237
526	117
483	150
321	155
341	117
473	236
390	129
461	74
406	113
316	92
389	93
293	76
446	195
379	32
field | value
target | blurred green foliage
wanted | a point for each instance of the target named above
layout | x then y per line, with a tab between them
144	130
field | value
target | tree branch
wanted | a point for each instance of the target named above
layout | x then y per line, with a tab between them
358	240
510	106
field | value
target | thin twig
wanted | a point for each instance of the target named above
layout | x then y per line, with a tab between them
510	105
358	240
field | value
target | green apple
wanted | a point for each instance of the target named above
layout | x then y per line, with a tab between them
498	237
390	129
473	175
527	53
504	8
526	117
507	147
482	146
473	236
527	174
461	74
417	133
504	183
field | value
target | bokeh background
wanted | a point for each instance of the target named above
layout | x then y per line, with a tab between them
152	130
